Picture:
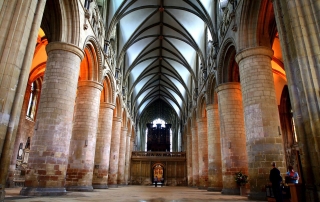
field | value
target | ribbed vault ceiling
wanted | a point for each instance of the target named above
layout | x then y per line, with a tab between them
161	46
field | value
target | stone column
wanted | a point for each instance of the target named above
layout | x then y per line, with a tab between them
298	26
114	152
189	156
233	140
127	163
122	156
50	143
214	149
102	154
261	117
83	140
15	60
195	157
203	153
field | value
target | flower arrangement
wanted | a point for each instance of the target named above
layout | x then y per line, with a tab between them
241	178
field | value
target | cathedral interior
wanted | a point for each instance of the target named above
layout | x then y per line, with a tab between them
102	93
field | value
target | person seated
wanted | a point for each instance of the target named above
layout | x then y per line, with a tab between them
292	176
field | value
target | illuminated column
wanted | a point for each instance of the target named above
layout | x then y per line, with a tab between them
261	116
122	156
102	155
189	156
129	147
233	140
83	140
195	157
203	153
114	152
50	143
214	149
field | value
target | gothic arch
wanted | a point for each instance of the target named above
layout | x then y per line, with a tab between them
257	26
129	125
118	109
228	70
108	91
90	68
61	20
211	84
133	132
194	118
124	118
201	107
93	47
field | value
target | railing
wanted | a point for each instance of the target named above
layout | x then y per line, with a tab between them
150	154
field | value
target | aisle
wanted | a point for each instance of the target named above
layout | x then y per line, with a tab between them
131	194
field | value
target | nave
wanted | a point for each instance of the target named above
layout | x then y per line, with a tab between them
132	194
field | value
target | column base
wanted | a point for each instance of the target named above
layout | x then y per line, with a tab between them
215	189
113	186
2	193
100	186
80	188
36	191
235	191
259	196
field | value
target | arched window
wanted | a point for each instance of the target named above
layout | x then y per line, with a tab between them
33	101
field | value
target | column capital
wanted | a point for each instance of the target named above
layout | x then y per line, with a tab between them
228	85
107	105
210	107
92	84
66	47
202	119
260	50
124	129
117	119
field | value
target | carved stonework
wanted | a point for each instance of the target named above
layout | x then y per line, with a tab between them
227	17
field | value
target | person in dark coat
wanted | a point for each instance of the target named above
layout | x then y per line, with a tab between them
275	178
156	181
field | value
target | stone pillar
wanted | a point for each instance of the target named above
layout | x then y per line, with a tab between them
214	149
195	157
50	143
233	140
114	152
261	117
127	163
83	140
189	156
122	156
298	26
203	152
16	57
13	55
102	154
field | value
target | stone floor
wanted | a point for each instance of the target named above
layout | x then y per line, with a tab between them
131	194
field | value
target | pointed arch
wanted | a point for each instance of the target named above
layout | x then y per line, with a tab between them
258	24
108	92
124	118
210	88
93	52
201	106
228	70
61	21
117	112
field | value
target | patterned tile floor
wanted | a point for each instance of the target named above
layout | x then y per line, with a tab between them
131	194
